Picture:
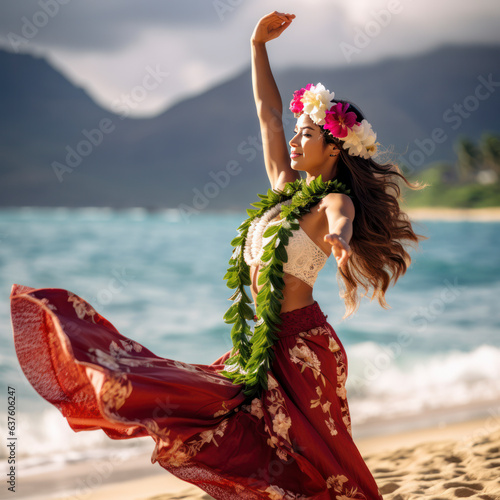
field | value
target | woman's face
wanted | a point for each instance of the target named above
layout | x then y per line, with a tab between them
308	151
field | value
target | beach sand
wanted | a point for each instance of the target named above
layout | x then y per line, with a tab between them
489	214
460	460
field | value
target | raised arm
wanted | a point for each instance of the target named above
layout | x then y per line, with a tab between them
268	101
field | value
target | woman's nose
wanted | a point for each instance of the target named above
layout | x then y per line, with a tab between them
293	141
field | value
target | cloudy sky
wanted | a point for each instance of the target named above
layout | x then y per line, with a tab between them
157	52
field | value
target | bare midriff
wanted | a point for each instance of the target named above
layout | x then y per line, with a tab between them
296	293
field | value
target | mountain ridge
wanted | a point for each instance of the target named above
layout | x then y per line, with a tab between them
169	159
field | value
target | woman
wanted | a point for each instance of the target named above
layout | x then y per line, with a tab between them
268	419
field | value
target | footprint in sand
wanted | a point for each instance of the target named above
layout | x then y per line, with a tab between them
381	474
388	488
430	478
457	484
464	490
493	465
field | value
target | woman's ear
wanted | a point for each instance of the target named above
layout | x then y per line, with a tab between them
334	150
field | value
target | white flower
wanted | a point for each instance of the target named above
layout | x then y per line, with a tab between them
105	359
273	440
341	375
368	140
271	382
256	408
360	140
207	436
331	425
316	102
352	142
115	350
337	482
281	424
81	307
347	423
178	453
275	493
333	345
341	392
186	366
128	345
326	407
305	355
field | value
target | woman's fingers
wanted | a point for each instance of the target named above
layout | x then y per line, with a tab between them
341	250
278	19
271	26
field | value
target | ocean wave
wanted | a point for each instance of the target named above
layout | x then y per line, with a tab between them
391	381
48	443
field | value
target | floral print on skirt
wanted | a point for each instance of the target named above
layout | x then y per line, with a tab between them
294	442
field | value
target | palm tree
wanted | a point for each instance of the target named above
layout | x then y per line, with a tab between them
490	150
469	159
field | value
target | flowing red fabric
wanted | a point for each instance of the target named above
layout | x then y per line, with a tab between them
294	442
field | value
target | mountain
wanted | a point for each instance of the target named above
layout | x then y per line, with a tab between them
59	148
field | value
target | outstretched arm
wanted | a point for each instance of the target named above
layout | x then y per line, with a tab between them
339	210
268	101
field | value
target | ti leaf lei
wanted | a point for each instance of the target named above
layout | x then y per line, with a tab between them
253	353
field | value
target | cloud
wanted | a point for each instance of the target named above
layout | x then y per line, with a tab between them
106	47
89	25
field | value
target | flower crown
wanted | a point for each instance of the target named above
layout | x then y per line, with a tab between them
314	100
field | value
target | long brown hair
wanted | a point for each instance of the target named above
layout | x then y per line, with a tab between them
381	230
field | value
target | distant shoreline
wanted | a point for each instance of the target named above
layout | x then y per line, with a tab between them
488	214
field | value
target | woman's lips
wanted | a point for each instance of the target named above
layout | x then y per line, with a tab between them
295	155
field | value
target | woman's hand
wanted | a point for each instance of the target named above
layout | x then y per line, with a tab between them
340	249
271	26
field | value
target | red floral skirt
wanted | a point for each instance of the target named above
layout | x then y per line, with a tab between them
294	442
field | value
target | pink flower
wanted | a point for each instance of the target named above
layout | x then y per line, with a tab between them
338	121
296	104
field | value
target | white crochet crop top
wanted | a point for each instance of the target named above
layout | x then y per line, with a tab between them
305	258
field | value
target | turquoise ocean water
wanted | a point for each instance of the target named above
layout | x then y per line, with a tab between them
159	280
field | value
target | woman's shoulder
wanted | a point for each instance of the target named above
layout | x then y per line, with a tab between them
337	202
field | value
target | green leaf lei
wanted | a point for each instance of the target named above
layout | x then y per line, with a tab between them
253	352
